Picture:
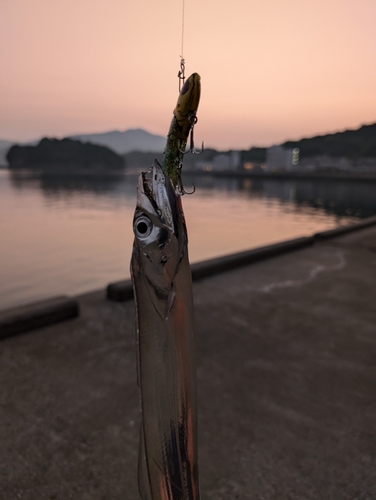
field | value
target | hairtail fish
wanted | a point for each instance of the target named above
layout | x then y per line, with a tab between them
162	285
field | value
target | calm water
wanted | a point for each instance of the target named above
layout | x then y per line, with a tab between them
67	235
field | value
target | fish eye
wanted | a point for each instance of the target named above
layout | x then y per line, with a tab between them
143	227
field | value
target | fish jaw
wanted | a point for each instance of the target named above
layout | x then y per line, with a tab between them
160	235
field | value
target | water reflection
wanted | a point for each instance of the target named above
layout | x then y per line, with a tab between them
70	234
55	184
340	198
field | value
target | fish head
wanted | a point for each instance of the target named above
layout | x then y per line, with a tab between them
159	229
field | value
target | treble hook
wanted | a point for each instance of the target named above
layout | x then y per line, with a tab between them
180	183
192	120
192	142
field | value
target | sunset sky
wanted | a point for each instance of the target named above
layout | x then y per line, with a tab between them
271	70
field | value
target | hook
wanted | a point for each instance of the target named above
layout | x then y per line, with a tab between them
180	186
193	119
192	146
183	191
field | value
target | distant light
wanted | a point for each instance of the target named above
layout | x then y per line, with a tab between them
208	168
295	156
248	166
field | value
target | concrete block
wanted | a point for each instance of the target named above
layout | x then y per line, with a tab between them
120	290
338	231
221	264
38	314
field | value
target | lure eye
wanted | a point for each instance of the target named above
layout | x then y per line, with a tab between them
143	227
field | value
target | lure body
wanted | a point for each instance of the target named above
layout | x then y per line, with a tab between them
164	309
182	123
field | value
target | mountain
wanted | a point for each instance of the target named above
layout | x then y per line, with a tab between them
6	145
358	143
124	142
121	142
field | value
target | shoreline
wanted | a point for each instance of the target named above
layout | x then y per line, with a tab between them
28	317
291	176
308	176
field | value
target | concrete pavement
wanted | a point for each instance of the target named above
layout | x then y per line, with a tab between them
286	352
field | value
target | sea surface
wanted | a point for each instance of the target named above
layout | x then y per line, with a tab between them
65	234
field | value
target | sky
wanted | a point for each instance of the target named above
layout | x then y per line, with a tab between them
271	70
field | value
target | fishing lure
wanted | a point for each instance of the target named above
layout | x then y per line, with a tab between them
182	125
164	309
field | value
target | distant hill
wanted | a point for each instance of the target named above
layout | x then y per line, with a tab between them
359	143
4	146
66	153
124	142
121	142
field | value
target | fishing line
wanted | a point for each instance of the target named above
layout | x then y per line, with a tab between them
181	74
182	31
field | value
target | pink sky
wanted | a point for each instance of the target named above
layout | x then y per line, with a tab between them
271	69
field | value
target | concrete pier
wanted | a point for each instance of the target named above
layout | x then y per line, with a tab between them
286	351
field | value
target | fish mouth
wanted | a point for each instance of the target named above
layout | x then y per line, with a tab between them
160	250
156	194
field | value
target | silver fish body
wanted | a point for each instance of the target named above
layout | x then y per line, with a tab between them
164	309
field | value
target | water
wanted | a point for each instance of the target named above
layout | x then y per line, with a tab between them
71	234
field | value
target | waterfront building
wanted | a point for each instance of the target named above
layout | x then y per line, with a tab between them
227	161
280	158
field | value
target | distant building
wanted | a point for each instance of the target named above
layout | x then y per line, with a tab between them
253	166
227	161
326	163
280	158
204	165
